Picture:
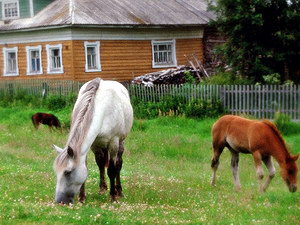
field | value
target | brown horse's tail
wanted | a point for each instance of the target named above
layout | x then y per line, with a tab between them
276	131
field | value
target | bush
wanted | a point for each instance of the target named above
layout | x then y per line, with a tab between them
227	78
201	109
177	106
285	125
54	102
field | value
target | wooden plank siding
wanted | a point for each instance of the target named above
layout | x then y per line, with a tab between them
67	53
120	59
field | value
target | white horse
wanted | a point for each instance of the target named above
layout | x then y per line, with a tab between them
102	118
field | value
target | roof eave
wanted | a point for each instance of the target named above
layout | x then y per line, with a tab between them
50	27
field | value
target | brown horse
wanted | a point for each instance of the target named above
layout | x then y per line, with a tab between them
46	119
259	138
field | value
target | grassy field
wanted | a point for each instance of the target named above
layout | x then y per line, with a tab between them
166	176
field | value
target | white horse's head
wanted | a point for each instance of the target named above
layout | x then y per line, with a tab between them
71	174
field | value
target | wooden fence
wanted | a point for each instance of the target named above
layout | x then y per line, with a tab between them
258	101
41	87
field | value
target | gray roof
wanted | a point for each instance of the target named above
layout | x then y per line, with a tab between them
116	13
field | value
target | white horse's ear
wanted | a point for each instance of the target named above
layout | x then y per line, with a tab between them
57	149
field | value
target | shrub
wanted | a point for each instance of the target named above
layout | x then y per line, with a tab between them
285	125
273	78
227	78
200	109
177	106
54	102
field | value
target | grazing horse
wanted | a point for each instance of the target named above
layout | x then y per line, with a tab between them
259	138
101	119
46	119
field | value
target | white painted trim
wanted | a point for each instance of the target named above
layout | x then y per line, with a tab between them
49	48
97	46
173	42
3	11
28	50
5	52
31	8
98	35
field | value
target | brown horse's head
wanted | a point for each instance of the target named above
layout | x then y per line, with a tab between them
289	172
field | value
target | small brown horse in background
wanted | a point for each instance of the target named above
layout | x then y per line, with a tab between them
46	119
259	138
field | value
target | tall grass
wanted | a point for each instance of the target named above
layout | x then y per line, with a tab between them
165	175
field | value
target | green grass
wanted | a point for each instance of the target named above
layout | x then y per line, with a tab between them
166	175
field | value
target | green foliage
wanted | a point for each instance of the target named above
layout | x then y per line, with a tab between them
176	105
54	102
189	78
202	109
227	78
272	78
261	36
285	125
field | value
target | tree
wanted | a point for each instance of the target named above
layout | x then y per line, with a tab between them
262	36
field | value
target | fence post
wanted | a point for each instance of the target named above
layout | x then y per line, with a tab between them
45	90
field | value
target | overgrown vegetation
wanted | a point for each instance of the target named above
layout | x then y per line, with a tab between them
285	125
177	106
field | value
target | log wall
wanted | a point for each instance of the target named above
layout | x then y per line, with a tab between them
120	59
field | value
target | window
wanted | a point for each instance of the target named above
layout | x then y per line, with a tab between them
163	54
10	9
11	61
34	60
92	56
54	55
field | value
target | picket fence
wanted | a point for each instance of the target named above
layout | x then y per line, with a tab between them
258	101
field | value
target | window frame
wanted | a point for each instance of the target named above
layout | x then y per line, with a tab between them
29	49
5	58
50	70
173	45
3	9
96	45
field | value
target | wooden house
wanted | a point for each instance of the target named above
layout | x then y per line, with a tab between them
111	39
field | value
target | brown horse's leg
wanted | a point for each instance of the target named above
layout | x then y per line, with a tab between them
268	162
82	193
215	161
235	169
259	170
101	158
119	167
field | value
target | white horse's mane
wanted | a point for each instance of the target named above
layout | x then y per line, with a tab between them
81	119
82	115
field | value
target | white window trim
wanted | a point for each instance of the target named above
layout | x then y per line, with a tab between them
5	54
28	50
49	48
97	45
3	11
173	42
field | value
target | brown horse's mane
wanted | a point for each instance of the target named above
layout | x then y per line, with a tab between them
277	133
